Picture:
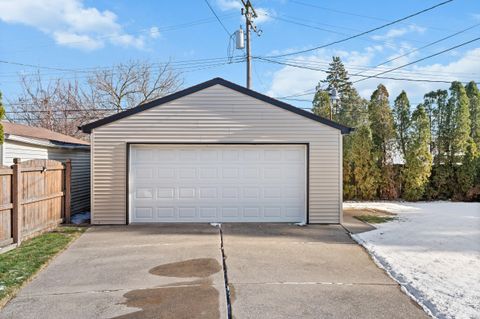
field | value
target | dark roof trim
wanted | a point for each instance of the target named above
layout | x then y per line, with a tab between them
87	128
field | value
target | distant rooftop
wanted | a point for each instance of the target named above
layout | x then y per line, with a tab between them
39	133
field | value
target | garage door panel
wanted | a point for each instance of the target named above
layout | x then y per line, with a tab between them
209	183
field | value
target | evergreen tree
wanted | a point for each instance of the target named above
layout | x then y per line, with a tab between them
435	103
443	179
383	136
401	116
2	116
337	76
474	98
418	159
462	155
467	171
365	172
461	122
321	104
351	110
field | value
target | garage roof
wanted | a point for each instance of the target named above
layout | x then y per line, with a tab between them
87	128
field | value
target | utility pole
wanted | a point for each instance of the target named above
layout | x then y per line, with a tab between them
249	53
249	12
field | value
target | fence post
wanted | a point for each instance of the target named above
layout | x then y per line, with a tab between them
68	193
17	197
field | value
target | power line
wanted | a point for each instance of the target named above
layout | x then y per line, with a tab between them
369	68
363	76
350	13
216	16
87	72
337	11
301	22
423	47
181	63
37	66
363	33
419	60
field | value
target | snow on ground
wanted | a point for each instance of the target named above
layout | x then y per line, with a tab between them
433	251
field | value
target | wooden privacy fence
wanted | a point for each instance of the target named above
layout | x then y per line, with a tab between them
34	197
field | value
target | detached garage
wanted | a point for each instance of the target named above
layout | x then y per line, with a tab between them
216	152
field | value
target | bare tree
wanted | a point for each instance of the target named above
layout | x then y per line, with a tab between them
56	105
127	85
64	105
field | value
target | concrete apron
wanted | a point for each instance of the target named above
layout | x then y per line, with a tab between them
161	271
176	271
317	271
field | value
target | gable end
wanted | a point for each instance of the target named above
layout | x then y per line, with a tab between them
87	128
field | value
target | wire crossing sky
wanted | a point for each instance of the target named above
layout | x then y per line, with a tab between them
410	45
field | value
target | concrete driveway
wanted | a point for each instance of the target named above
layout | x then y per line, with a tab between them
178	271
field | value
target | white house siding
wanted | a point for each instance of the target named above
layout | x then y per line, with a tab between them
24	151
80	166
214	115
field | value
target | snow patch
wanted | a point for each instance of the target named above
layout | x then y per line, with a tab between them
432	251
301	224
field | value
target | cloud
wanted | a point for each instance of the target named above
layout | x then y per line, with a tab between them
263	14
398	32
76	40
290	80
154	32
226	5
70	23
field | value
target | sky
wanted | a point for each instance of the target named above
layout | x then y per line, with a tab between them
68	38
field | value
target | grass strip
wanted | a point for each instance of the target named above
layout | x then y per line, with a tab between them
17	266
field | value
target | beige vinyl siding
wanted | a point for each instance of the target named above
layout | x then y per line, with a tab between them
80	166
214	115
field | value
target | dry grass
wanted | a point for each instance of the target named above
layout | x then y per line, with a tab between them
370	215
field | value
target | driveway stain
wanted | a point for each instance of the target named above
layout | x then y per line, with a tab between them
174	302
191	299
200	267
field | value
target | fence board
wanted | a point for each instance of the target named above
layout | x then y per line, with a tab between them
5	205
34	197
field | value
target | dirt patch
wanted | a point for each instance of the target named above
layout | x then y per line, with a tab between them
233	295
186	301
367	211
201	267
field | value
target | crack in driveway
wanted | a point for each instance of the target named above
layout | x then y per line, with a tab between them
225	275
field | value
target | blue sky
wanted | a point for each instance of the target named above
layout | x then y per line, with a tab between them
80	35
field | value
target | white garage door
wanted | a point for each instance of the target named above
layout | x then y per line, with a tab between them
217	183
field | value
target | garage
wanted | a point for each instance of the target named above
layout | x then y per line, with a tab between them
217	183
216	152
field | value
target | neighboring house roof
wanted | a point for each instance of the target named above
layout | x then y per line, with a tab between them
87	128
40	136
